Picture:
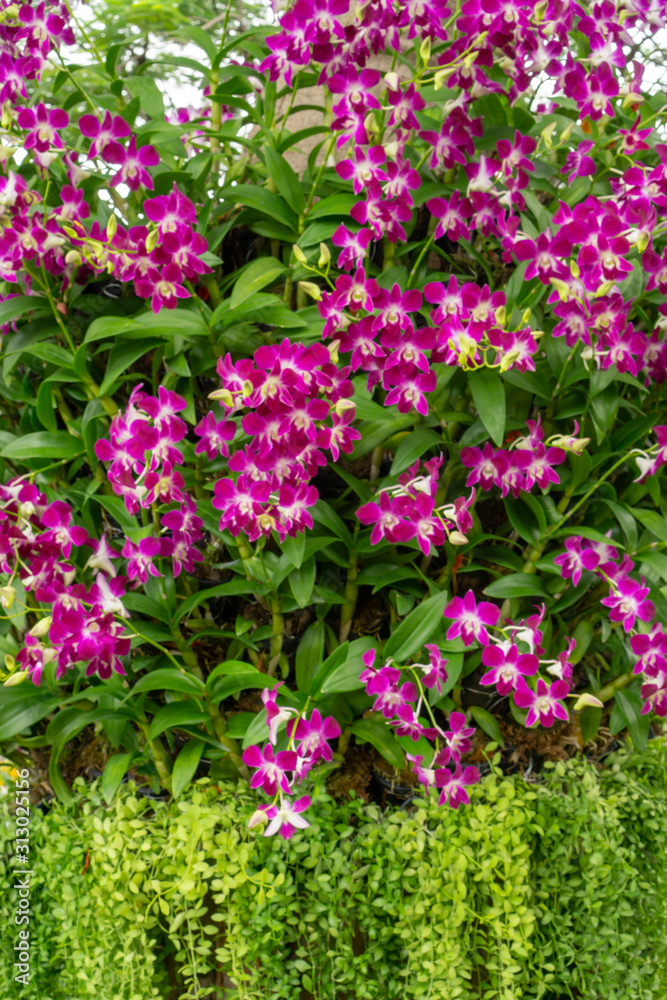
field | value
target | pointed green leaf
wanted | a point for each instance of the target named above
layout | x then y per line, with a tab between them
488	395
185	766
285	179
260	273
115	770
421	624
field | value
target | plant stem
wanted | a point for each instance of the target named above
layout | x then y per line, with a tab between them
162	762
351	593
276	646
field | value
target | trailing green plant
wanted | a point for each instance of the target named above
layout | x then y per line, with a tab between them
549	889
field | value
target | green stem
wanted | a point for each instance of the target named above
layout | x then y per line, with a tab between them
424	250
351	593
162	762
231	745
609	690
318	176
276	646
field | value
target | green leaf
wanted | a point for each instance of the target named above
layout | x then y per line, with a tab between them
488	394
260	273
19	305
420	625
175	714
149	95
245	680
43	444
377	733
345	676
225	669
309	654
525	519
185	766
121	357
335	204
517	585
488	723
232	587
332	661
115	770
285	179
46	412
200	38
413	447
629	706
23	709
169	679
261	200
583	636
302	581
653	522
589	723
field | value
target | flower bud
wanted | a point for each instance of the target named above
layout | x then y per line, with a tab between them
546	134
17	678
561	287
152	240
258	818
7	595
112	227
7	117
632	98
501	315
333	350
341	406
73	257
392	81
457	538
567	132
509	358
310	288
299	254
525	318
325	255
425	49
41	628
225	397
442	76
587	700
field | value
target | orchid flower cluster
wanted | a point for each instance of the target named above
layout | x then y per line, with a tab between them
409	511
143	449
514	655
468	326
157	256
291	393
401	707
40	546
628	603
591	310
529	462
278	774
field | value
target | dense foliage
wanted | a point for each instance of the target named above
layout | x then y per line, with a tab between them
359	413
547	890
